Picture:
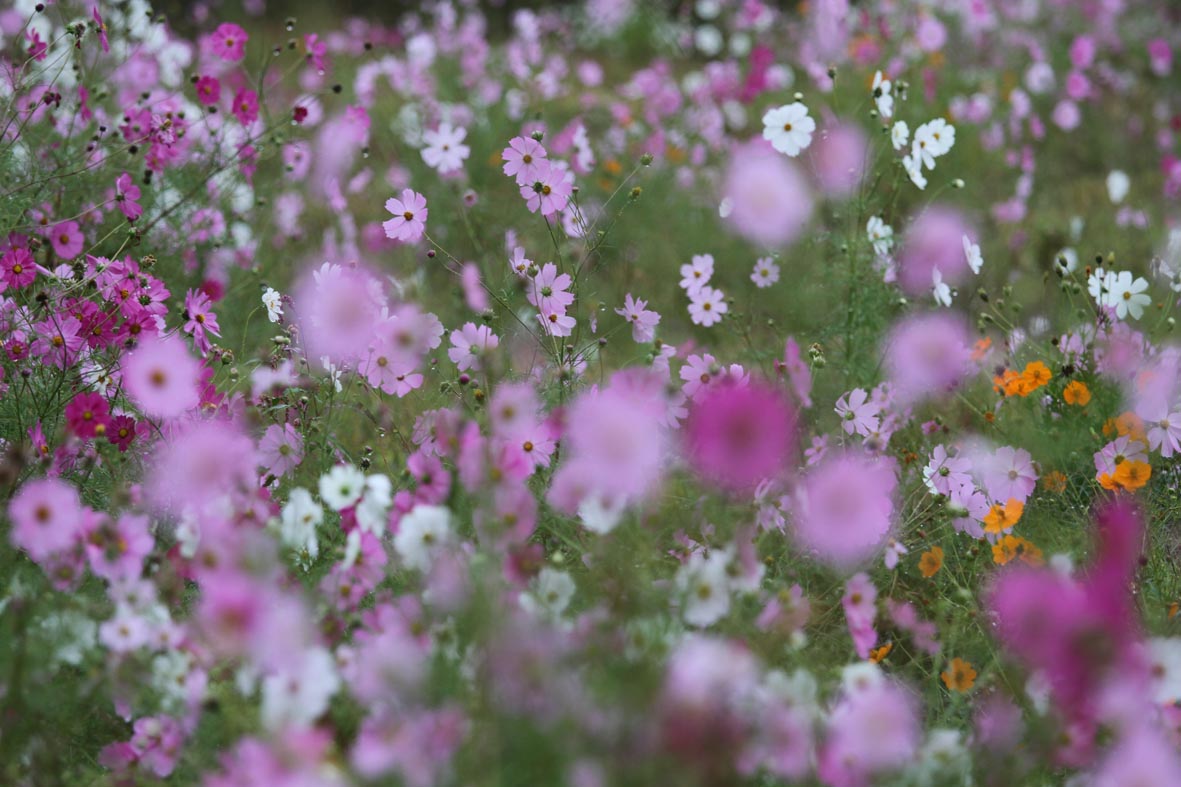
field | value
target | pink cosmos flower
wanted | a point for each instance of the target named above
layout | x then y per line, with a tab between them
317	52
445	151
387	367
161	377
945	474
127	195
201	466
642	319
88	415
551	190
697	273
208	90
229	42
740	435
1009	473
281	449
707	305
873	729
798	373
116	549
935	241
858	413
845	508
548	291
339	311
927	355
245	106
409	222
469	344
556	323
66	239
18	268
58	340
860	611
46	517
200	319
522	159
102	29
766	197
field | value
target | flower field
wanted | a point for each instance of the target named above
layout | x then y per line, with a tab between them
602	394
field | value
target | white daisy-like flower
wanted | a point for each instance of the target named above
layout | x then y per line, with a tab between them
704	584
940	289
900	135
550	594
299	520
1099	283
913	165
972	252
707	306
1164	656
882	95
766	272
421	533
274	303
1118	185
788	128
1127	296
342	486
933	139
881	235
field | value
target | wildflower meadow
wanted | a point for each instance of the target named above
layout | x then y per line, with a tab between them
605	393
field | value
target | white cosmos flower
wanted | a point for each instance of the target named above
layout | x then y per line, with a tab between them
788	128
341	486
1118	184
1164	655
274	303
704	584
940	289
298	522
421	533
881	235
1127	296
297	697
550	594
1099	283
934	138
972	252
914	168
882	95
900	135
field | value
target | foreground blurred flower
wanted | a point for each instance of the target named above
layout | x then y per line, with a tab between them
844	508
927	356
768	197
739	435
161	377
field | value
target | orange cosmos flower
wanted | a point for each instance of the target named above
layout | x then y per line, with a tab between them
980	349
1130	475
1000	519
1077	393
878	654
931	562
1036	375
1010	547
959	676
1054	481
1132	425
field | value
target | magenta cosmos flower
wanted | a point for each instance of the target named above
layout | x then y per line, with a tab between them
739	435
46	516
162	378
229	42
766	198
409	222
844	508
